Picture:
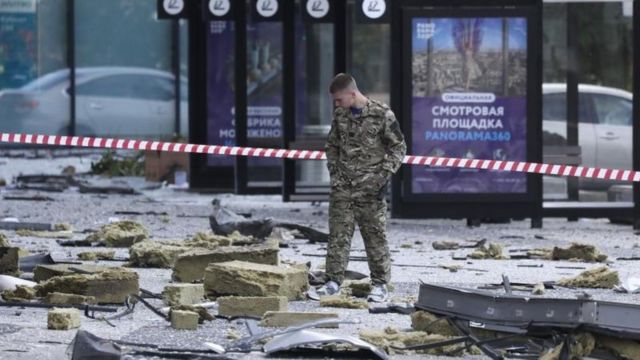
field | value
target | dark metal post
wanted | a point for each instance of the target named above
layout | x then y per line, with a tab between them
288	95
175	68
241	94
636	112
396	99
71	62
573	68
340	34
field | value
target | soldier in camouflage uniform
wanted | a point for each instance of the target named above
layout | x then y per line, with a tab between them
364	148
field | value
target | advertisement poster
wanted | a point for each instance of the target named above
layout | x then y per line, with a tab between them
264	86
18	43
469	101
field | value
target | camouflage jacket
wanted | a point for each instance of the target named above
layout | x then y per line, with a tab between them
365	146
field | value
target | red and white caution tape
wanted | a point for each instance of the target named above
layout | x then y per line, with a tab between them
495	165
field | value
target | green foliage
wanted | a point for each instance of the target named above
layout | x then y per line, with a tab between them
109	165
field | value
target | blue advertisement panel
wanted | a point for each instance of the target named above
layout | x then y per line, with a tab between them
18	43
264	85
469	101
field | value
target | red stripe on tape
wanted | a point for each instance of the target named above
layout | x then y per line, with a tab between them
511	166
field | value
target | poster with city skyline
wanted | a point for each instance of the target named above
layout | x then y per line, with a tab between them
469	100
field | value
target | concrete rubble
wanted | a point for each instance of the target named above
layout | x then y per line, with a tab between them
425	321
341	301
4	240
445	245
242	278
165	254
184	320
203	314
57	298
493	251
96	255
598	278
581	346
45	272
252	306
63	319
63	234
21	293
119	234
286	319
110	286
154	254
9	257
391	339
538	289
578	252
357	288
190	266
624	349
183	294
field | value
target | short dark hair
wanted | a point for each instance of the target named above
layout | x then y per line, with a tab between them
341	82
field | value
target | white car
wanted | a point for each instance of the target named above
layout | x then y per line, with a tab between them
604	130
110	101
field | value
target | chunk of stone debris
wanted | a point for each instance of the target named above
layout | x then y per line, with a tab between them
357	288
390	339
543	254
119	234
62	227
9	257
242	278
623	348
20	294
341	301
254	306
494	251
583	252
56	298
190	266
110	286
4	241
426	321
282	236
235	238
184	320
538	289
445	245
63	319
581	346
598	278
45	234
183	294
96	255
286	319
45	272
153	254
203	314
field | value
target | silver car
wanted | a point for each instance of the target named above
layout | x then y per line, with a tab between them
604	130
110	101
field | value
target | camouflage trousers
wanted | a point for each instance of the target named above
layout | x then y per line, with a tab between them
346	209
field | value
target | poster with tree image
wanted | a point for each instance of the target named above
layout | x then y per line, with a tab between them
469	101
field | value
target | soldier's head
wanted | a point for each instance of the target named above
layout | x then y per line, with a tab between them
344	90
